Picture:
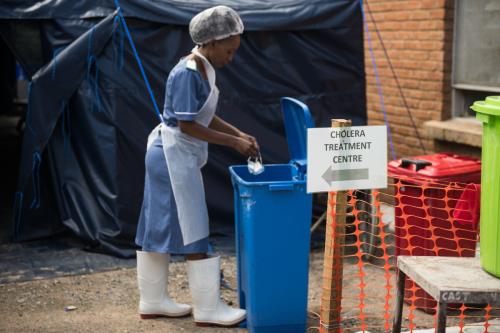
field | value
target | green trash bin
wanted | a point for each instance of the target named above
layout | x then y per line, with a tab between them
488	111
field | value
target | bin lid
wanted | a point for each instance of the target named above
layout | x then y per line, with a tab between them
297	119
439	167
491	105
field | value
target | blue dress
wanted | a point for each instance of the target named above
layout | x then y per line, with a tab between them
158	229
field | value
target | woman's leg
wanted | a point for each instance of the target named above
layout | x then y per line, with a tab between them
204	284
152	278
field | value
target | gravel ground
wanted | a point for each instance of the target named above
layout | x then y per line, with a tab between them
107	302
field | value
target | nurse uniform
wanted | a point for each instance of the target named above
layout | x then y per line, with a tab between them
159	229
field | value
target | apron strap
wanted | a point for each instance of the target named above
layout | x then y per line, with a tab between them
208	67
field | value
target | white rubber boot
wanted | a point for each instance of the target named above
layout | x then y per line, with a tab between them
152	277
204	284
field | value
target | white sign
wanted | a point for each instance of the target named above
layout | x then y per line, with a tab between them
346	158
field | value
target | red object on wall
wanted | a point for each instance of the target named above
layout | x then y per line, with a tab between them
436	211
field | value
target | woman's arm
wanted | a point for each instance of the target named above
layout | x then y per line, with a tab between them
220	125
242	145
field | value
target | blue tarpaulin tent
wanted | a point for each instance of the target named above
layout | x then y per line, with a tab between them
90	112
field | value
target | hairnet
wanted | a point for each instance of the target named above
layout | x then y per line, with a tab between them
215	23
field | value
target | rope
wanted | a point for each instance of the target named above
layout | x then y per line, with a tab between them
118	54
89	45
377	80
37	160
92	60
138	59
28	113
94	81
394	74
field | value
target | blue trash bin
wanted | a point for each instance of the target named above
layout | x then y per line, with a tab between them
273	220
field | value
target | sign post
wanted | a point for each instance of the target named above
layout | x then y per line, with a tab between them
342	158
331	298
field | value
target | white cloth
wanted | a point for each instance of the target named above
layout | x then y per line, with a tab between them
152	135
185	157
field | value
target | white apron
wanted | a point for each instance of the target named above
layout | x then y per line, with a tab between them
185	157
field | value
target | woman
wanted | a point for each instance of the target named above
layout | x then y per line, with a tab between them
174	216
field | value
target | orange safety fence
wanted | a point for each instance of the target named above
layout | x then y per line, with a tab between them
411	217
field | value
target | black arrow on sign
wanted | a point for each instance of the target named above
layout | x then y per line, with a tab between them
331	175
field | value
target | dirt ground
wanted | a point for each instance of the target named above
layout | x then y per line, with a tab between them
107	302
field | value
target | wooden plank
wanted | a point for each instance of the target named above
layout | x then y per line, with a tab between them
452	279
331	299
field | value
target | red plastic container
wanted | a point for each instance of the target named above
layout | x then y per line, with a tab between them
432	186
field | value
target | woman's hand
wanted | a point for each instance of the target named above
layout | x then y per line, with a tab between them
243	143
249	138
245	146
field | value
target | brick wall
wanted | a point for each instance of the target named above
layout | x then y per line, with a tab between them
418	39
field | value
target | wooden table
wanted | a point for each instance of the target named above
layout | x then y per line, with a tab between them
447	280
